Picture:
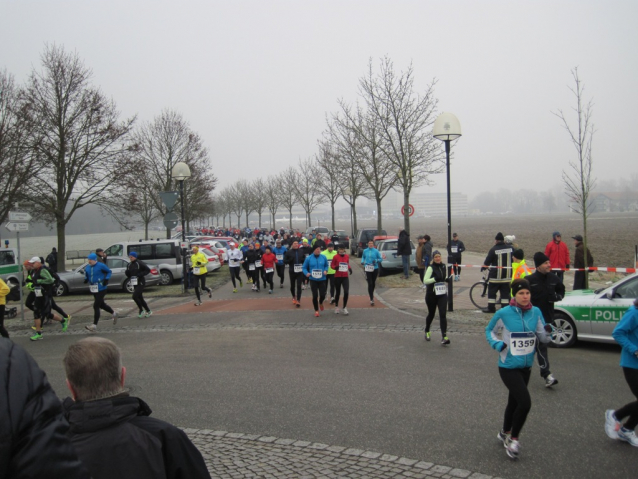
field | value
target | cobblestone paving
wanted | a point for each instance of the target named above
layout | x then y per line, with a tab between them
234	455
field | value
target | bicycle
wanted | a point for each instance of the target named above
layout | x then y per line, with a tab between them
478	292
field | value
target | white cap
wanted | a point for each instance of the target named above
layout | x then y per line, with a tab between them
35	259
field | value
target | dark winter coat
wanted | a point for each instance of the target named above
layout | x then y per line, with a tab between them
546	289
137	268
403	244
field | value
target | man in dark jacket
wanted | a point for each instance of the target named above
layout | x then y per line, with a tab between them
546	288
52	260
455	254
112	432
580	277
33	440
404	249
499	262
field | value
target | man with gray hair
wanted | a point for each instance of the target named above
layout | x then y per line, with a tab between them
112	432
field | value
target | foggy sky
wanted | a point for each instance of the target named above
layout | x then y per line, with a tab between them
256	78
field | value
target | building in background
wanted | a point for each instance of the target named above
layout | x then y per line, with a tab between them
425	204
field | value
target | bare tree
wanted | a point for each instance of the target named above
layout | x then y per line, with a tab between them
81	151
246	195
329	180
578	180
405	121
308	187
260	200
273	196
287	181
236	203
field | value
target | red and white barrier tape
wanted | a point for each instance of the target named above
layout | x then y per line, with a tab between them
591	268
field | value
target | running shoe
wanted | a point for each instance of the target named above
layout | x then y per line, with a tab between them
612	426
445	340
428	336
235	290
91	327
258	290
241	283
210	293
336	310
114	319
303	286
298	303
149	314
502	436
371	303
294	301
512	447
65	323
316	314
141	314
550	381
198	303
281	285
37	336
332	301
345	311
270	291
321	307
250	281
624	434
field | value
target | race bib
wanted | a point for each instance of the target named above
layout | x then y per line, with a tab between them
454	249
134	280
280	257
38	291
258	264
440	289
343	267
522	344
251	267
369	268
298	268
269	270
197	270
93	288
234	262
317	273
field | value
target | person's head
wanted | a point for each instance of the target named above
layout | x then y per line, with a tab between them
317	250
370	244
295	245
436	256
331	246
92	259
36	263
521	292
577	239
231	245
426	238
509	239
251	247
28	266
421	239
305	241
341	249
455	237
245	242
541	262
499	237
556	236
518	255
99	252
94	369
53	250
318	236
132	256
267	249
195	249
278	243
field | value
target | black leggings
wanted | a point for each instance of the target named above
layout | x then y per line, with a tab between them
200	285
98	303
254	274
519	401
138	291
345	282
631	409
3	332
281	269
371	278
318	293
234	273
58	309
421	274
269	279
296	279
331	282
433	301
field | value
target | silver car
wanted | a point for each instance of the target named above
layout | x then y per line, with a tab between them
392	262
73	281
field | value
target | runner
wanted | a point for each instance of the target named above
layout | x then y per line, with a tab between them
279	250
370	260
294	258
244	248
4	290
521	326
259	267
307	251
315	268
626	334
436	295
136	270
329	254
199	262
43	290
250	258
341	265
235	258
269	260
98	275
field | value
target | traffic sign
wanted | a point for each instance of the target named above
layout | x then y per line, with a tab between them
17	226
169	198
19	216
410	210
170	220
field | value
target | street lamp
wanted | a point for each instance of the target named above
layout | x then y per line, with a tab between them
181	172
447	128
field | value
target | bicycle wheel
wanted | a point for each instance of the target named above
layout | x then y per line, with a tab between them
478	295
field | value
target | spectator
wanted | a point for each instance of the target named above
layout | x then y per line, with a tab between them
420	259
107	424
558	254
404	249
101	255
52	260
580	277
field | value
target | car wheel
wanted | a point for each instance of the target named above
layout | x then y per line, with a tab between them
128	286
564	335
61	290
166	277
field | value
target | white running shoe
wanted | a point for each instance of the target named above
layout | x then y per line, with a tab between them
91	327
114	319
336	310
512	447
628	435
502	436
611	424
345	311
550	380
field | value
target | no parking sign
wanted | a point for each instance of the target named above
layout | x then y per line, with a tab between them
410	210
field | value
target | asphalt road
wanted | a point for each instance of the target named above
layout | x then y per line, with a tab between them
288	374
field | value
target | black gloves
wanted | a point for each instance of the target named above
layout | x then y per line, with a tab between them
86	280
105	282
483	269
548	328
504	347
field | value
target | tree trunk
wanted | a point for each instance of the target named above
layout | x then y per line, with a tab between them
333	216
379	219
406	211
247	225
354	216
260	219
146	231
61	230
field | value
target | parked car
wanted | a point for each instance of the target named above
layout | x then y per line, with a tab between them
592	315
376	239
313	230
211	245
9	266
73	281
392	262
361	240
343	238
164	254
213	260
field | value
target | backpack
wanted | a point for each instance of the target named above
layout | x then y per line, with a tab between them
14	293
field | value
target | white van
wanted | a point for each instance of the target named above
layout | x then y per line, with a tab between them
9	266
165	255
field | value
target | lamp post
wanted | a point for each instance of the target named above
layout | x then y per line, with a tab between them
447	128
181	172
348	192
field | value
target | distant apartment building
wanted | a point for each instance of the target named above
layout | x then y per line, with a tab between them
425	204
616	201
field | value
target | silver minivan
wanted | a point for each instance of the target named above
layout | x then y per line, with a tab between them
165	255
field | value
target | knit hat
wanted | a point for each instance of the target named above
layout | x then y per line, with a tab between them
555	234
133	254
499	236
92	256
304	240
519	284
330	245
539	259
435	252
518	253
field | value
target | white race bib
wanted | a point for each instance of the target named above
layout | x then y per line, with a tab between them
343	267
298	268
258	264
93	288
522	344
251	267
38	291
197	270
280	257
440	289
369	268
454	249
134	280
234	262
317	273
269	270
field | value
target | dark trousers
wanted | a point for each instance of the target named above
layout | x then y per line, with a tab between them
519	402
98	303
579	280
296	280
631	409
433	302
200	285
371	278
339	282
318	292
138	291
269	279
234	273
493	289
57	308
281	269
254	274
560	274
331	283
3	332
29	302
421	274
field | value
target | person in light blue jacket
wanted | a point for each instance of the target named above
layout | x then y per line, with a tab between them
315	268
370	259
97	275
280	251
626	334
521	326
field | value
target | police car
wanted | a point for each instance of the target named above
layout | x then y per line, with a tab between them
592	315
